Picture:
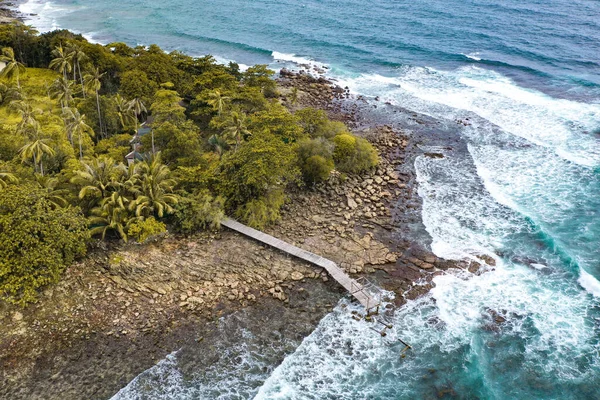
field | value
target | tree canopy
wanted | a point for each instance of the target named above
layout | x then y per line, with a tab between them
124	143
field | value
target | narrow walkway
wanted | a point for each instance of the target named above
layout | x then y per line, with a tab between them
355	288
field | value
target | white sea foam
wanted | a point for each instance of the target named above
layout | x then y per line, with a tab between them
538	266
462	219
344	358
474	56
292	58
491	99
42	14
589	283
226	61
240	368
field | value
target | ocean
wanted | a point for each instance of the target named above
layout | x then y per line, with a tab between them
520	182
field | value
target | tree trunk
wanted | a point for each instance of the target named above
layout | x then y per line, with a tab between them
80	150
81	79
99	114
152	131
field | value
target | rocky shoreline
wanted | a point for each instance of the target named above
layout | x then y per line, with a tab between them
123	309
8	12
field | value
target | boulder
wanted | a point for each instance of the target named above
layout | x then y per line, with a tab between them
351	202
297	276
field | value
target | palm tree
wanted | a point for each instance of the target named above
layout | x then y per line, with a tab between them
236	129
9	93
156	188
6	178
62	61
78	126
13	68
125	113
27	113
36	148
77	56
139	109
112	214
93	83
55	196
217	100
62	90
218	144
100	175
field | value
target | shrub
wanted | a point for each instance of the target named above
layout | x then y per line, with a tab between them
39	240
263	211
142	230
353	154
196	212
316	169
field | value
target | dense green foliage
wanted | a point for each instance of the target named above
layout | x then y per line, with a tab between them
39	240
138	139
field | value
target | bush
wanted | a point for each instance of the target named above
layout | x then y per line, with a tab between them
316	160
263	211
316	169
366	156
345	145
200	211
142	230
354	154
261	165
39	240
316	123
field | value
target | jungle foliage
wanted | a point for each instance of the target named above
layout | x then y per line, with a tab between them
120	142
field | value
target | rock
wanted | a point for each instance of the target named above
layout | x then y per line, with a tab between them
378	180
429	259
351	202
17	316
195	300
297	276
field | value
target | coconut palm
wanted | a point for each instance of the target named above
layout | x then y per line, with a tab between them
112	214
156	188
27	113
9	93
54	195
77	127
93	83
62	61
217	100
99	176
125	113
235	128
13	68
218	144
138	108
6	178
62	90
36	148
77	56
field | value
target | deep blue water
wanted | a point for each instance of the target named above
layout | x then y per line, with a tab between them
523	186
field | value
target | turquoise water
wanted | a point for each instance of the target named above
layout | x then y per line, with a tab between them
520	183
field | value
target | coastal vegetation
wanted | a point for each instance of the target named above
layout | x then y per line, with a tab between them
122	143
